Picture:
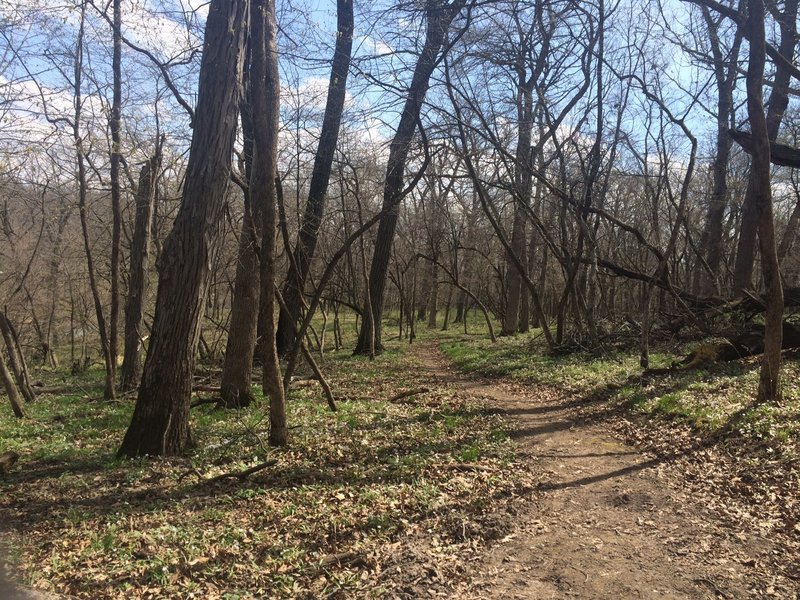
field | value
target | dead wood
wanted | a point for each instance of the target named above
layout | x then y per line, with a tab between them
409	393
240	475
779	154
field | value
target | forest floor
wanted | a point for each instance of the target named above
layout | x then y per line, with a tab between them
453	468
608	520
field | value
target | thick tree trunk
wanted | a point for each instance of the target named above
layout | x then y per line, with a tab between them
522	199
243	342
265	94
139	267
320	176
439	16
760	184
237	369
778	102
160	424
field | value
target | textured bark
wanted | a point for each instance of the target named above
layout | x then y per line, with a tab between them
760	185
160	424
438	17
237	369
265	94
320	176
778	102
522	198
139	267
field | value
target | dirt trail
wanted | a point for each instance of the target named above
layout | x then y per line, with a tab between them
607	521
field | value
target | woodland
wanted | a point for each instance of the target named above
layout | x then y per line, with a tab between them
467	298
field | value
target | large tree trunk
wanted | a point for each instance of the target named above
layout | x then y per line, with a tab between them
320	176
760	184
522	198
439	15
265	86
160	424
778	101
139	266
237	369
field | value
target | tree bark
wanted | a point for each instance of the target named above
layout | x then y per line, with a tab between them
320	176
160	424
760	185
439	15
265	86
139	267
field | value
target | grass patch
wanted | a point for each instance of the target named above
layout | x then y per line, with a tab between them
714	399
350	484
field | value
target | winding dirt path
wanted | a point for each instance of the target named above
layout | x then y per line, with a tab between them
607	521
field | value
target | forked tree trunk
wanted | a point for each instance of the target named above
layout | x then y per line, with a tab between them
139	267
160	424
778	102
439	15
320	176
16	358
760	185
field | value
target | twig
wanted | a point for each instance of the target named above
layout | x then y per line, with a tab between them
407	393
241	475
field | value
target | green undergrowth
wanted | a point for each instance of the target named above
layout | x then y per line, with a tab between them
717	399
324	521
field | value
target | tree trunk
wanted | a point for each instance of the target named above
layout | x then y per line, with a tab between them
265	90
769	380
11	388
778	102
439	16
16	358
243	334
725	72
320	176
160	424
83	190
139	267
116	210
